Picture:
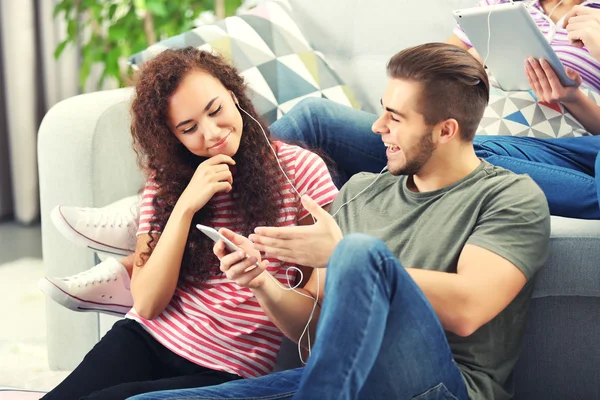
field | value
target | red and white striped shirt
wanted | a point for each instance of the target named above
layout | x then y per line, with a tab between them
218	324
578	59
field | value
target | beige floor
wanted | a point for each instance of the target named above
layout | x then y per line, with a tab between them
19	241
23	356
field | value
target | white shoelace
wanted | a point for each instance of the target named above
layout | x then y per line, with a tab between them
102	217
98	274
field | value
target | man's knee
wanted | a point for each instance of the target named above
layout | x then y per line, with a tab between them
299	123
360	249
309	110
312	104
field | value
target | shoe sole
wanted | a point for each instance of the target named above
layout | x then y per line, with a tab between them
77	304
76	237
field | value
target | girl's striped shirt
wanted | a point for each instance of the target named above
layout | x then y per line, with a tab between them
218	324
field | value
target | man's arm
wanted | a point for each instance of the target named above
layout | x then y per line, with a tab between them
485	283
506	248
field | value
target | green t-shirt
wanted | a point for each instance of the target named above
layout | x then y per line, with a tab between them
491	208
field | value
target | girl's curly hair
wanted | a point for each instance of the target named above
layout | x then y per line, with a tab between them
256	188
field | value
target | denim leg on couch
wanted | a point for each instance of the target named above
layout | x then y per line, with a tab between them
343	133
563	168
378	338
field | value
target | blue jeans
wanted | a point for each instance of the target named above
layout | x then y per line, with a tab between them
377	338
566	169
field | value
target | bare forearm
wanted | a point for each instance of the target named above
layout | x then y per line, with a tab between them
586	111
288	310
153	285
448	296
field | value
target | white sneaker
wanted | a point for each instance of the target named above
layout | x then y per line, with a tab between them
103	288
111	229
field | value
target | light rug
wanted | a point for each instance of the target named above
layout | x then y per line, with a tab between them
23	349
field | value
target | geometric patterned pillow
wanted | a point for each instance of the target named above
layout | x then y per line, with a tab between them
271	53
518	113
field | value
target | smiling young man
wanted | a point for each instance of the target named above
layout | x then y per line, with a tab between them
429	271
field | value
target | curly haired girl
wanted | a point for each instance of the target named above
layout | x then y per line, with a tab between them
209	160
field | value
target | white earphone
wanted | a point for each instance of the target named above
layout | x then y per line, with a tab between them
300	279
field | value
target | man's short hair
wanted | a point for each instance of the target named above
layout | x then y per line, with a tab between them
453	84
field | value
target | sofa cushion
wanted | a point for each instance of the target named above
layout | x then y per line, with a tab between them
573	268
268	48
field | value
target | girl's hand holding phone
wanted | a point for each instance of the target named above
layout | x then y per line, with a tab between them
244	266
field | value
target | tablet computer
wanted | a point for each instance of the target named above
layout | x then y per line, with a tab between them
513	37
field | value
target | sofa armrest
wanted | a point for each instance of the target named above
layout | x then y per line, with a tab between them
85	159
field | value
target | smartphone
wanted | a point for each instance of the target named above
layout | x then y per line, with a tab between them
216	236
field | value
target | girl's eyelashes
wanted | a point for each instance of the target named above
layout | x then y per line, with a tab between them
190	129
195	126
212	114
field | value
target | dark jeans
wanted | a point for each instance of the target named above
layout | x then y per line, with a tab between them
128	361
566	169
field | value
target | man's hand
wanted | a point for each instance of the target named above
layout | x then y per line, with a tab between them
244	266
309	245
583	25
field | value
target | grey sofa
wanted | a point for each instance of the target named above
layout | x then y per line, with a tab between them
85	158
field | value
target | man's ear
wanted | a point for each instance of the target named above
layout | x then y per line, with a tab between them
448	130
